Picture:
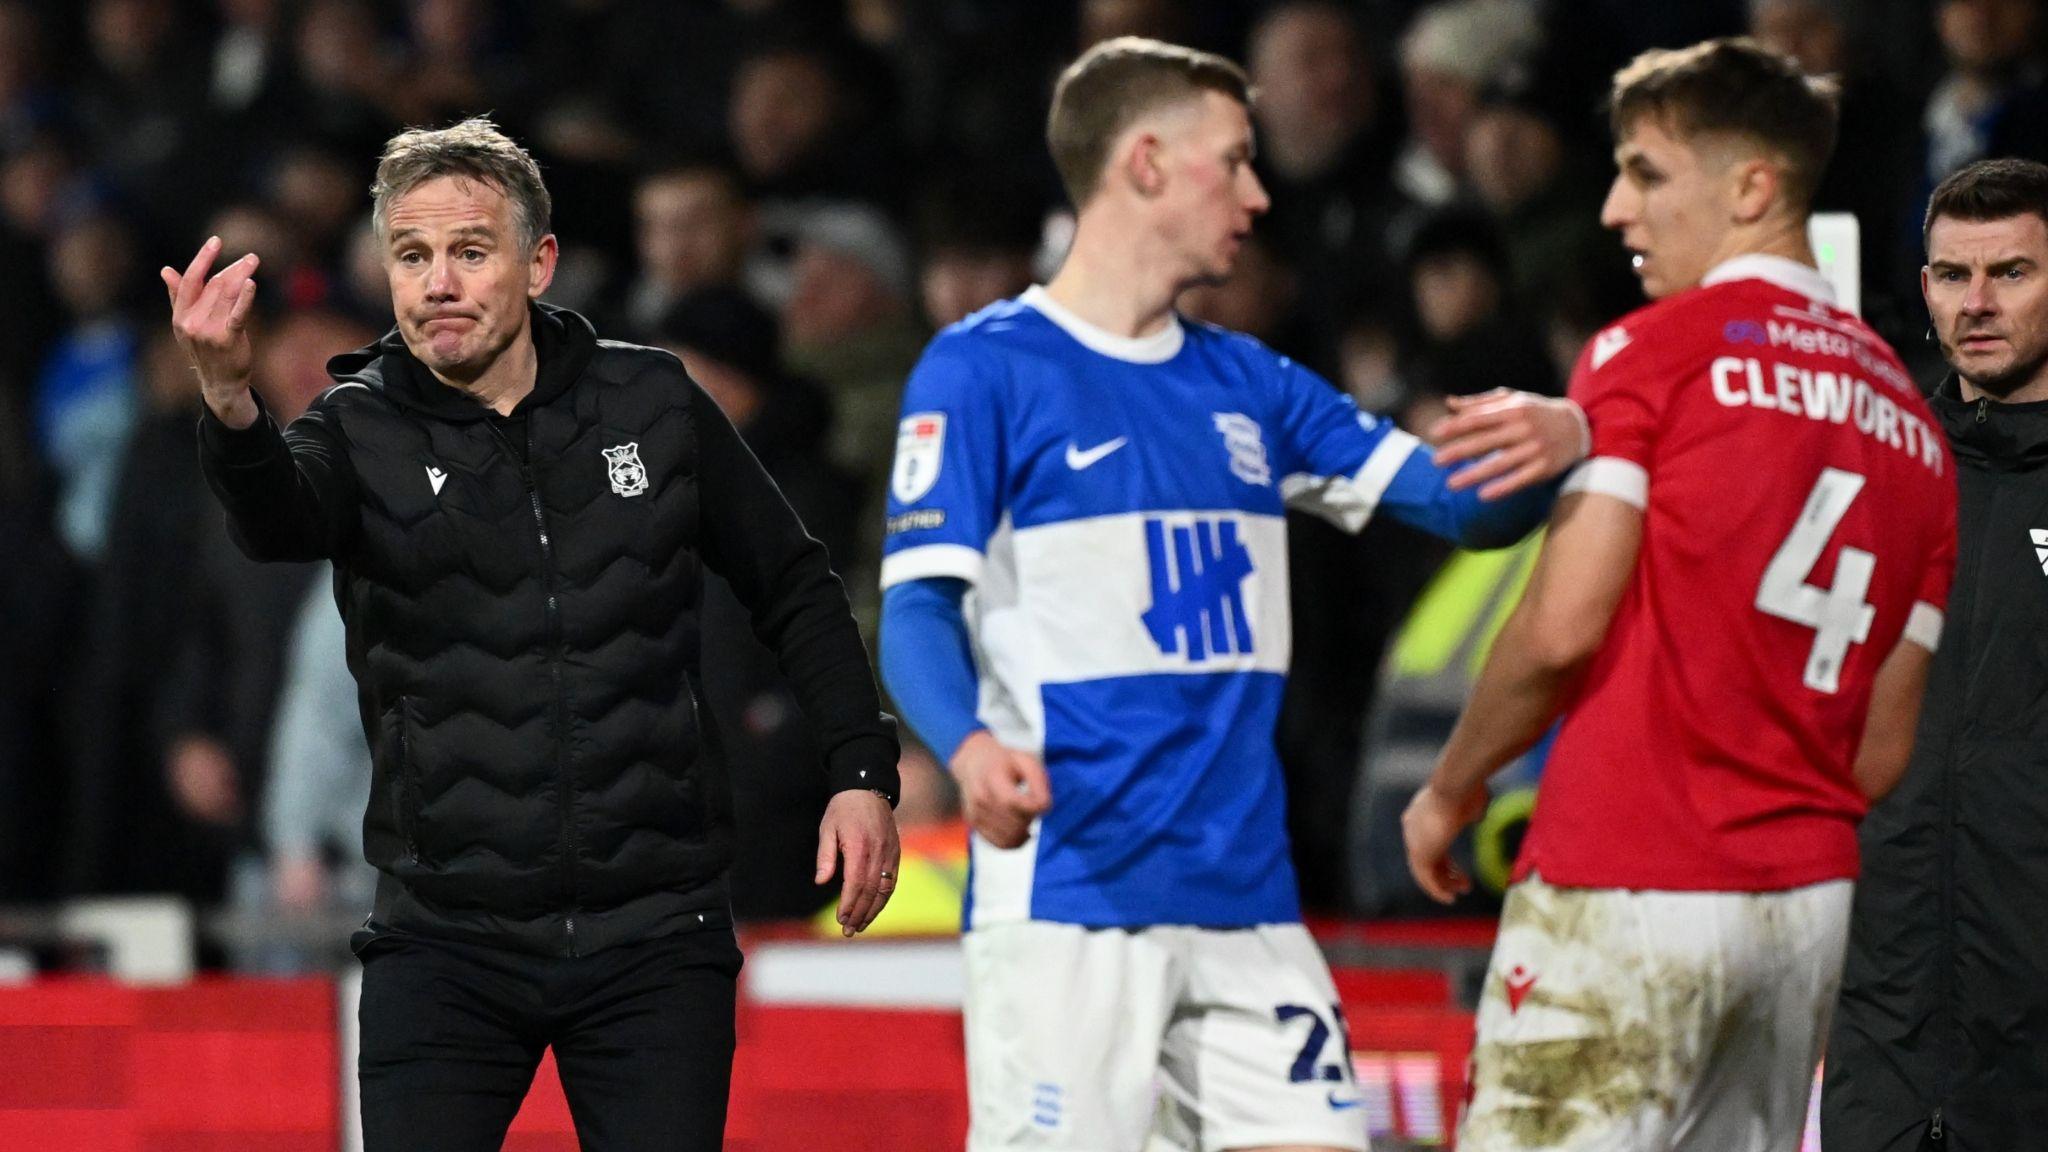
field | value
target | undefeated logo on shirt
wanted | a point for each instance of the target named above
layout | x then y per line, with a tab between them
1198	574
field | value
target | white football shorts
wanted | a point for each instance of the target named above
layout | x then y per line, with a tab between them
1625	1021
1200	1039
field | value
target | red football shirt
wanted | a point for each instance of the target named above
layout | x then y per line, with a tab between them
1799	510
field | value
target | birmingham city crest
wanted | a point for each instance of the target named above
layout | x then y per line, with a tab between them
629	476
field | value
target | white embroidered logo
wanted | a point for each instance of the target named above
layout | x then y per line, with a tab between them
1079	458
2040	536
1242	437
436	477
1607	345
629	476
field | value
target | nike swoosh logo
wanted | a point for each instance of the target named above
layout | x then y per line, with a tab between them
436	477
1340	1104
1078	458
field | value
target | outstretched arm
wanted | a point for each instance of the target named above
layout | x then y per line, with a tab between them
1585	567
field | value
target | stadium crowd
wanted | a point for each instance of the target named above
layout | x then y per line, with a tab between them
792	195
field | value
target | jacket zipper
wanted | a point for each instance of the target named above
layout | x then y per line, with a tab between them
408	783
563	789
1973	561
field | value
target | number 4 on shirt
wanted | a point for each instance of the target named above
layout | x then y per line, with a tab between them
1838	615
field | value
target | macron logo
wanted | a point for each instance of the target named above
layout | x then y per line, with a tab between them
2041	547
1607	344
436	477
1079	458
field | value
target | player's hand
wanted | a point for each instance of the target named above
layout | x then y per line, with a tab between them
1002	790
210	317
860	829
204	781
1518	439
1430	824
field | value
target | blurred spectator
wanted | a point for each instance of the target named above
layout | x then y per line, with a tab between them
849	325
343	78
122	835
800	132
1108	19
1467	338
692	228
30	101
85	397
320	772
39	625
1871	174
248	55
977	239
729	345
1523	167
140	95
1991	102
223	696
1325	150
456	68
1447	55
1259	300
320	196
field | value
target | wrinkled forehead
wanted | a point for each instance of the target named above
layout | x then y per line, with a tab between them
449	204
2006	239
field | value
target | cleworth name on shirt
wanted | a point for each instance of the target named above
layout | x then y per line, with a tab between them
1769	384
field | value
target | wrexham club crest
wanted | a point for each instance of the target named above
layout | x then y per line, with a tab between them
629	476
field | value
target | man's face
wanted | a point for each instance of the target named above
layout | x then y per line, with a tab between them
1209	194
956	283
1806	30
1986	285
1306	64
692	230
1986	34
1672	203
460	273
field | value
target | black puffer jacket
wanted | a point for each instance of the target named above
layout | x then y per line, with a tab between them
521	598
1941	1036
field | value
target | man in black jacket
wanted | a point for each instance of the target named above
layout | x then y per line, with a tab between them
1941	1036
520	516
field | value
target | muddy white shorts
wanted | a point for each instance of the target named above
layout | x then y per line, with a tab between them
1620	1021
1094	1040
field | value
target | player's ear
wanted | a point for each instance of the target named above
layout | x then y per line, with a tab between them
1142	165
1757	185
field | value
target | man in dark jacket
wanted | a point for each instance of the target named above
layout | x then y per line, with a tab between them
1941	1036
519	517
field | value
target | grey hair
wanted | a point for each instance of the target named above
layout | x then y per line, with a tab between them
474	149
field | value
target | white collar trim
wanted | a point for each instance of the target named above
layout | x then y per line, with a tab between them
1790	275
1157	348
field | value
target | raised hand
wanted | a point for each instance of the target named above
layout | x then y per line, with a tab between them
1518	439
210	318
1001	789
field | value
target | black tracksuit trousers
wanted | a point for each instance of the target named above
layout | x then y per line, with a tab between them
642	1033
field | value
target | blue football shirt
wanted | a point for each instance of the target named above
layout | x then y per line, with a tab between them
1117	508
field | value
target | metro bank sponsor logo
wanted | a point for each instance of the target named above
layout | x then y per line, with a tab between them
1744	332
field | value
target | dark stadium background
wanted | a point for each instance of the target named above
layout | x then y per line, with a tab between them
794	195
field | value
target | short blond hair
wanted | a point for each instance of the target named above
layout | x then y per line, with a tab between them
1111	85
